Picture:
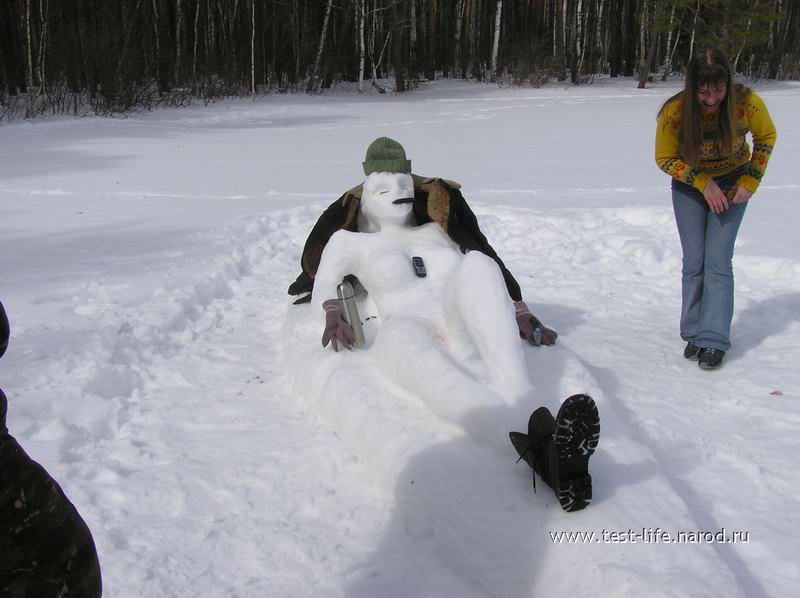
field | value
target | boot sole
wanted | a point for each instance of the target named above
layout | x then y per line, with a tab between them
576	438
709	366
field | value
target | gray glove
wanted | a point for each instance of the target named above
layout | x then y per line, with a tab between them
336	329
530	328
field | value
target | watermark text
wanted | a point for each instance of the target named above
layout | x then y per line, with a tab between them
651	535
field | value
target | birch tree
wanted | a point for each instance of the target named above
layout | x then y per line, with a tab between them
694	29
29	46
178	39
253	48
457	40
361	16
43	12
496	42
313	81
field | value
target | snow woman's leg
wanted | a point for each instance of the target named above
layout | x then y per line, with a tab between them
477	300
383	427
408	356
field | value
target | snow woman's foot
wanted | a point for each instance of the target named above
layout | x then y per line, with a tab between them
558	449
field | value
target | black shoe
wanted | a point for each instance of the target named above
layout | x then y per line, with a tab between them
559	449
710	359
692	351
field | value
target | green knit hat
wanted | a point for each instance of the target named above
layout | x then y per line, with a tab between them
386	155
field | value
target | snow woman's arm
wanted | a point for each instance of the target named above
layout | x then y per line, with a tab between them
340	258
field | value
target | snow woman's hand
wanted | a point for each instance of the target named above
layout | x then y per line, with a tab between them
337	331
530	328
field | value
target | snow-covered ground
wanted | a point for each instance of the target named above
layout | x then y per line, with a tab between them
160	373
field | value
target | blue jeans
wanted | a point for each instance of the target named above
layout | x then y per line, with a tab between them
707	240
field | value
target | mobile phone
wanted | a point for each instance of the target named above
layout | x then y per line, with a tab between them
419	266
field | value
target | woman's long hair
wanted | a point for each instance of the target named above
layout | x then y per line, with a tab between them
709	68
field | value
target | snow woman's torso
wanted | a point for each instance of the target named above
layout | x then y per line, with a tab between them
382	261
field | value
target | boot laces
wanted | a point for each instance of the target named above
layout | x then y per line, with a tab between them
537	445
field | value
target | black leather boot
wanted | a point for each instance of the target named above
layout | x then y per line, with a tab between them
558	449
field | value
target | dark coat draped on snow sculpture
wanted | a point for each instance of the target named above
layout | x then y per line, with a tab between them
435	200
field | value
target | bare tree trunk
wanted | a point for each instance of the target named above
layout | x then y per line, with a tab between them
424	27
372	33
739	53
194	53
178	40
29	50
776	42
644	71
397	54
668	52
361	15
312	82
413	37
583	35
496	42
671	57
157	39
457	41
296	39
694	29
43	11
253	48
560	34
643	22
578	36
598	34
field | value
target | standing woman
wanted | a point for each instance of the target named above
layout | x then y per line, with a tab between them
701	143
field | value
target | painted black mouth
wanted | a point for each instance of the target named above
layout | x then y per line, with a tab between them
403	200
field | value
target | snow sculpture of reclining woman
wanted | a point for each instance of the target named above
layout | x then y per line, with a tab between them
457	311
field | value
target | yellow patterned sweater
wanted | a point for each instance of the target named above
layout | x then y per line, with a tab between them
753	118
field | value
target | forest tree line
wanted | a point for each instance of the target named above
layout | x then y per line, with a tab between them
112	56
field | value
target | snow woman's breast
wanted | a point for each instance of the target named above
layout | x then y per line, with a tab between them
391	267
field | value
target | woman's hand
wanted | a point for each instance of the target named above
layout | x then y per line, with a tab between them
715	198
742	195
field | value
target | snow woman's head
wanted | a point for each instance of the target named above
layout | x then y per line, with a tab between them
387	199
388	192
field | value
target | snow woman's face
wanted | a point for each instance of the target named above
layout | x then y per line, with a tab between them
387	199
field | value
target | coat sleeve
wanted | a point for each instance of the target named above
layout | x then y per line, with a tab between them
464	230
340	215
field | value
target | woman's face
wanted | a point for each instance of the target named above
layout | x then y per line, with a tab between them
710	96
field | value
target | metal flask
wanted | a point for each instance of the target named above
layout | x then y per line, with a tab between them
347	301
